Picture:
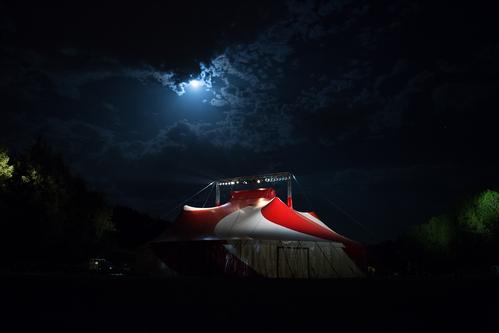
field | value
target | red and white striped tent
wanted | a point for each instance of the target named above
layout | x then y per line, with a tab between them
257	234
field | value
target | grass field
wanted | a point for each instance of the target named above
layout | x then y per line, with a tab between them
142	304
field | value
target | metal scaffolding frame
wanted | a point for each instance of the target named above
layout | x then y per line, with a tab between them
256	179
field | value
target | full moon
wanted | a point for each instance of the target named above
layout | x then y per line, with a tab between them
195	83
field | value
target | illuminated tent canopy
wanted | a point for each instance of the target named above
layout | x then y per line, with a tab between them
257	234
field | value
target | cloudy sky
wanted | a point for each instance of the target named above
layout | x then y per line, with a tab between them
384	110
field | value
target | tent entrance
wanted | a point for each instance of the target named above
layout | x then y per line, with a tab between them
293	262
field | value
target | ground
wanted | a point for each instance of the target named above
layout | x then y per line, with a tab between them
144	304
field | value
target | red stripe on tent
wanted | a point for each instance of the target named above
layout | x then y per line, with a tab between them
279	213
314	214
200	223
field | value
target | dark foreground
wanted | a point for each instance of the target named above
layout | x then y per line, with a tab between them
141	304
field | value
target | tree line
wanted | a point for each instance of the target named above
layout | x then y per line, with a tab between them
50	218
464	240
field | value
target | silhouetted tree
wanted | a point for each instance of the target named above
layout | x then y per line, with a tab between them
49	215
6	169
481	214
135	228
478	222
468	238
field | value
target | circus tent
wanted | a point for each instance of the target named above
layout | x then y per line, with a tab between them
256	234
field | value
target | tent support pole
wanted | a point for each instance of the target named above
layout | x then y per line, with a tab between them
217	194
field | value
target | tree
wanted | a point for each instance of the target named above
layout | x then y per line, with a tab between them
6	170
436	238
480	215
48	214
134	228
468	237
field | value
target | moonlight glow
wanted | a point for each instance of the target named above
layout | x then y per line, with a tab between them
195	83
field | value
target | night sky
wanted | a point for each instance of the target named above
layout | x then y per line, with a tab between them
384	110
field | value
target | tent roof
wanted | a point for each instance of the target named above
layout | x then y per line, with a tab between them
253	215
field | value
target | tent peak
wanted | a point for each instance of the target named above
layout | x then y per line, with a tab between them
259	193
263	179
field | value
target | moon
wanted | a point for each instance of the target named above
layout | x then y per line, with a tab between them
195	83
